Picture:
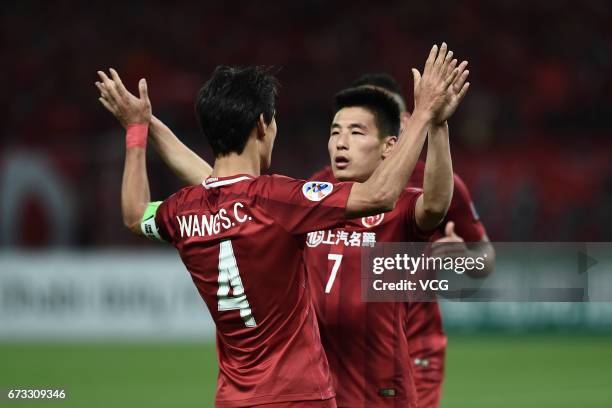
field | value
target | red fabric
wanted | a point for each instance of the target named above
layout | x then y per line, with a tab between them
365	343
424	330
461	211
424	324
330	403
280	359
136	135
429	380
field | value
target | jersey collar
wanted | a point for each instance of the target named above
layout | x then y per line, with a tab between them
213	182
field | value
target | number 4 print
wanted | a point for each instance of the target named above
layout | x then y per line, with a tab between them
337	258
229	278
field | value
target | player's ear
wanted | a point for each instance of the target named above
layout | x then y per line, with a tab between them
262	127
388	145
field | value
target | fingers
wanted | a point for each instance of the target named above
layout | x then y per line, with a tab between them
103	91
450	66
446	66
117	80
460	81
461	77
463	91
439	63
430	59
451	78
107	105
462	66
109	84
142	89
416	76
449	229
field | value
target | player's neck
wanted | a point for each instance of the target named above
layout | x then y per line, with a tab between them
245	163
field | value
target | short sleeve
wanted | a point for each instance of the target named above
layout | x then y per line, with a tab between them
463	213
301	206
407	203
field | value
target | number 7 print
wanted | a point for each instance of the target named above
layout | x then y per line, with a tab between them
337	258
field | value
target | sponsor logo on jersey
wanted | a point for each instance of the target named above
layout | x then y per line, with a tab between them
315	238
372	220
317	190
337	237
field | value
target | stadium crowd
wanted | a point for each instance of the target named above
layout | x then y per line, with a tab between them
532	139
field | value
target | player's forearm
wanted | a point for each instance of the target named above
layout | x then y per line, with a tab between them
381	191
190	168
437	180
135	194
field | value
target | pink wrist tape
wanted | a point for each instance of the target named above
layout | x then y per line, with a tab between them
136	135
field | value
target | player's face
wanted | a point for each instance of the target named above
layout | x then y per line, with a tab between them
355	148
268	145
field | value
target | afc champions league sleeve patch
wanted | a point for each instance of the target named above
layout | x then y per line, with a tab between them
317	190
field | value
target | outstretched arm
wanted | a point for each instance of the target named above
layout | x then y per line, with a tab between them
190	168
135	194
134	114
381	191
432	205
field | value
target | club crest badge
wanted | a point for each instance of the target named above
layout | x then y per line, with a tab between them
372	220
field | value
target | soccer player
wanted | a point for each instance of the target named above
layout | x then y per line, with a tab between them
267	335
461	227
366	343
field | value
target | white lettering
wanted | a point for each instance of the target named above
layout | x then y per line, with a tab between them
184	226
238	218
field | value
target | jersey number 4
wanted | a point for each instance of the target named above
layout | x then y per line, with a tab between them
229	278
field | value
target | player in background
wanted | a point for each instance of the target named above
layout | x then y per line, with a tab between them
463	228
266	330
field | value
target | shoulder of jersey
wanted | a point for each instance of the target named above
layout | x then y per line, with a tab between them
324	174
186	191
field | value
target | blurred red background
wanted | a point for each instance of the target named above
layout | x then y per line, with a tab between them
532	139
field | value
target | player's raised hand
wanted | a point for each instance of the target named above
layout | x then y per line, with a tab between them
126	107
450	244
455	95
431	90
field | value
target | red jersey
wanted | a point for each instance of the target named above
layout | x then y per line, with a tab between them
424	335
365	342
424	324
242	239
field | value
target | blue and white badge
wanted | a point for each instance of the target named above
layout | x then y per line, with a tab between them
317	190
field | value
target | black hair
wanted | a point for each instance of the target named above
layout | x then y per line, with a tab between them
384	81
381	80
230	102
385	109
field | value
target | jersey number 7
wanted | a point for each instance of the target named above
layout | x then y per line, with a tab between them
337	258
229	278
